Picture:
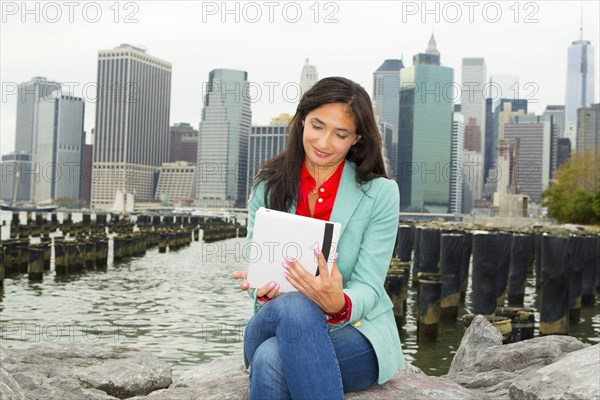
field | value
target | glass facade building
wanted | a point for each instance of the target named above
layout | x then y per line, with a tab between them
424	143
580	84
221	174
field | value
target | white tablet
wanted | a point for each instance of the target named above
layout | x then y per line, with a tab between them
277	235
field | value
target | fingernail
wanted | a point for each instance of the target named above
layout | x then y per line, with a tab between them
285	275
289	259
317	252
285	265
245	284
277	287
335	255
272	285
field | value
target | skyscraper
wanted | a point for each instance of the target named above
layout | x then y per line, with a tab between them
31	96
68	141
537	150
580	84
425	131
308	77
456	178
558	114
49	130
472	98
223	141
386	95
472	102
183	143
588	128
131	138
266	141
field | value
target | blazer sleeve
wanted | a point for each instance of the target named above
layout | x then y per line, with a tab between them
365	287
255	201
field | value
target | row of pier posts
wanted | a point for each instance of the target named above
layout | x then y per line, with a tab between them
566	268
86	244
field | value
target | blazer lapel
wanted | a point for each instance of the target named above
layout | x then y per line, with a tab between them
348	196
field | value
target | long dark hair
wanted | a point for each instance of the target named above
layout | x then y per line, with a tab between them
282	173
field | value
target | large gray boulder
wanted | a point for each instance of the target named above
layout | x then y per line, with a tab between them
490	368
480	335
576	376
37	386
226	378
9	388
117	371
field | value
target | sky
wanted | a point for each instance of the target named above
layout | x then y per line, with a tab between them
272	39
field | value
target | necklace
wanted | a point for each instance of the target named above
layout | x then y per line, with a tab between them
317	186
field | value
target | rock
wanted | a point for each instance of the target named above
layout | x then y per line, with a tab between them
490	369
479	335
118	371
38	386
576	376
9	388
206	382
415	386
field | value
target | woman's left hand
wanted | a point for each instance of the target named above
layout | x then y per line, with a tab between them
325	289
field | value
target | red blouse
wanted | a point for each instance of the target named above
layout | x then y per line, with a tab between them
327	192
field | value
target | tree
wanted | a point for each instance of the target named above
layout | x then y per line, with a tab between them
575	194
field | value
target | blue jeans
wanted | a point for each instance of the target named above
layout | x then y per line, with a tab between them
293	355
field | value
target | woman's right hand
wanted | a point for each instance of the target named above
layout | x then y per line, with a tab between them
270	290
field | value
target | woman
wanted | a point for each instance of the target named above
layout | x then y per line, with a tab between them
337	334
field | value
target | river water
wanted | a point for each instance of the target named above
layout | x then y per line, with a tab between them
184	307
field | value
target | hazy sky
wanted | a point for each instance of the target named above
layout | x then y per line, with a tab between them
271	40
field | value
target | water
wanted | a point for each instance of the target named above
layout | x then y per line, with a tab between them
185	308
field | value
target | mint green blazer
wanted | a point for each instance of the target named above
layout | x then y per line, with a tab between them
369	221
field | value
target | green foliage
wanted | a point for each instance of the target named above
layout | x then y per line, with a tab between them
575	195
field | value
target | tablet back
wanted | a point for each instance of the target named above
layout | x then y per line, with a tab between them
277	235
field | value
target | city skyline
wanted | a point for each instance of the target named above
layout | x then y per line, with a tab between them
535	52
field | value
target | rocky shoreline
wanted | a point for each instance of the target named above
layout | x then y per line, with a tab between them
549	367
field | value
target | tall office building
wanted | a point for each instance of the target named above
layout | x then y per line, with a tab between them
183	143
425	133
489	147
386	95
386	130
588	128
308	77
536	137
17	174
472	178
50	130
85	180
563	151
131	138
580	84
30	97
63	161
456	176
472	135
266	141
35	101
558	114
472	102
223	141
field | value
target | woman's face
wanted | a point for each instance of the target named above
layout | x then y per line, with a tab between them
329	132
